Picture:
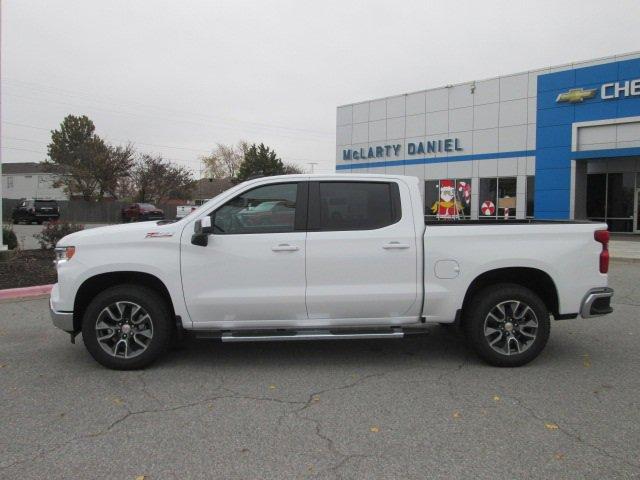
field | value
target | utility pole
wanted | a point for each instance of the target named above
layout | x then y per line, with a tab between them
313	164
2	245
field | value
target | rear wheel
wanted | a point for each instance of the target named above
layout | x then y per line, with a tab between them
127	327
507	325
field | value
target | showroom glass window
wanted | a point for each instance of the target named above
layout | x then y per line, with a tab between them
356	206
497	198
531	193
266	209
448	198
610	198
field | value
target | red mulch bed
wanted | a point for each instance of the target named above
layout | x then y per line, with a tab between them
28	268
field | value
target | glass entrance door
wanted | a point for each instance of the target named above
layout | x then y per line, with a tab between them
612	198
637	212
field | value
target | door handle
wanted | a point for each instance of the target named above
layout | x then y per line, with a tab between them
285	247
395	246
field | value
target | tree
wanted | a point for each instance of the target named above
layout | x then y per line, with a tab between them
259	161
112	169
291	169
225	160
90	167
76	148
154	179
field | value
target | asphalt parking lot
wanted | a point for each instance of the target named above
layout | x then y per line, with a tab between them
415	408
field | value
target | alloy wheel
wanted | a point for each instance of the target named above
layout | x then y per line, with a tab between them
511	327
124	329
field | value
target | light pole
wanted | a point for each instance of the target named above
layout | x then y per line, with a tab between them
2	245
313	164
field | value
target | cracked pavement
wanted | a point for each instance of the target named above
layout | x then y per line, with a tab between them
421	407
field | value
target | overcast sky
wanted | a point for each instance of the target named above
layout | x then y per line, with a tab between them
176	77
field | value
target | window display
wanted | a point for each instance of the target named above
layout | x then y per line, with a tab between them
448	199
497	198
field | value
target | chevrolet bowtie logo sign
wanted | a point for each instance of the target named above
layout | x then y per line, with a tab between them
576	95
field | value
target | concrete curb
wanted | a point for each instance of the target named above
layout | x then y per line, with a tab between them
625	259
25	292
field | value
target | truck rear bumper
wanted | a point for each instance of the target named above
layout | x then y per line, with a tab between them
597	302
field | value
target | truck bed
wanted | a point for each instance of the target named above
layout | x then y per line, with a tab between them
454	257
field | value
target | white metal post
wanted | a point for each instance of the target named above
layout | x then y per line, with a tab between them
2	245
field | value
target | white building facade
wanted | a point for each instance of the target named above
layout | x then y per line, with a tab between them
552	143
30	181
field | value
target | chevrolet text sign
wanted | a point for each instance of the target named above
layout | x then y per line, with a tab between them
608	91
630	88
413	148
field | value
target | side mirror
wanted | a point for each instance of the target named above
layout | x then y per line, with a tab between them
201	231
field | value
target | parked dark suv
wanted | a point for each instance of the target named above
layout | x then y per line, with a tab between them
38	211
141	212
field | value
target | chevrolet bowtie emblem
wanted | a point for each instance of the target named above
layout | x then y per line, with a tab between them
576	95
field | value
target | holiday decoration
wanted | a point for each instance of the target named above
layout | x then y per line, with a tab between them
488	208
448	207
465	191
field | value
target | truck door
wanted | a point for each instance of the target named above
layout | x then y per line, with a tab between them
361	250
253	268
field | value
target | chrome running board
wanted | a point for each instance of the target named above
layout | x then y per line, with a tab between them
299	335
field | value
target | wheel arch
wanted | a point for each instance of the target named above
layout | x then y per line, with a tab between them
534	279
97	283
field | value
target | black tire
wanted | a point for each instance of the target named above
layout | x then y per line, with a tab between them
484	302
160	317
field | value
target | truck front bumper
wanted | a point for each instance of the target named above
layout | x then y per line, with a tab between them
62	320
597	302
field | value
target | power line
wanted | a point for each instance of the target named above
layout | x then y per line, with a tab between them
116	139
94	98
301	160
24	150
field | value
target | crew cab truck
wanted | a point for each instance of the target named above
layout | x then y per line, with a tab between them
343	257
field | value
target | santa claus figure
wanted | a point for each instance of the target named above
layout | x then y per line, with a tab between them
447	206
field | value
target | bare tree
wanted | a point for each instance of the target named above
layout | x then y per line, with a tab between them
291	169
112	168
225	160
155	179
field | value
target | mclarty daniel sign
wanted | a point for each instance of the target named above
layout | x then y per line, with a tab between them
608	91
413	148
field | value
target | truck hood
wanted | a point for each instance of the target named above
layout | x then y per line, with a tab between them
124	233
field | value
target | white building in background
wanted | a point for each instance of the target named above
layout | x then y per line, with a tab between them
30	180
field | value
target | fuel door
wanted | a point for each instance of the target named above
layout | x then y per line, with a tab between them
446	269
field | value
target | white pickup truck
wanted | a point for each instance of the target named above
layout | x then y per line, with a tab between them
333	257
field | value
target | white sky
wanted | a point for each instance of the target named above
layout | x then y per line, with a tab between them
175	77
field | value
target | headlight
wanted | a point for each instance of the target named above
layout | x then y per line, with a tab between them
64	253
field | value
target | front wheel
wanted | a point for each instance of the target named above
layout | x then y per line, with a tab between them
507	325
127	327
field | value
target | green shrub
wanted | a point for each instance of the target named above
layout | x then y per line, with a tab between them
9	238
54	231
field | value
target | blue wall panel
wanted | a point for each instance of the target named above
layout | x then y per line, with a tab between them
554	129
555	81
554	136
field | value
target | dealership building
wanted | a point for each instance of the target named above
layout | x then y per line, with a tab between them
551	143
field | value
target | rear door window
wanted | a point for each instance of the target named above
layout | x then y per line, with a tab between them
356	205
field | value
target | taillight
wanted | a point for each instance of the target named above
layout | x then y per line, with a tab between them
602	236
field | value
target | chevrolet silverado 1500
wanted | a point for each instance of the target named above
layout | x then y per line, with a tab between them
341	257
